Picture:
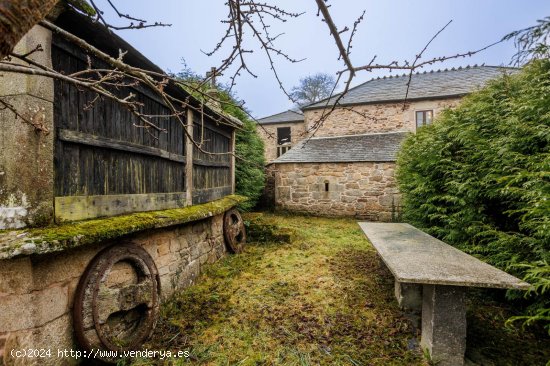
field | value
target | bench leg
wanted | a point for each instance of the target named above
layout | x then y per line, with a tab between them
408	295
444	324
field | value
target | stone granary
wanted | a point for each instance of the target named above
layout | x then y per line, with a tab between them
348	167
155	207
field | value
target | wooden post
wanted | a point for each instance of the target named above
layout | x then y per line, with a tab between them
233	136
189	159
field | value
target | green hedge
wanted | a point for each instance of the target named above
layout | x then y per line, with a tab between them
479	179
249	150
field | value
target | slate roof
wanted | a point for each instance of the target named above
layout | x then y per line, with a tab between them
283	117
375	147
424	85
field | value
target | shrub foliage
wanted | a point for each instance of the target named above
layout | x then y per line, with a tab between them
249	150
479	179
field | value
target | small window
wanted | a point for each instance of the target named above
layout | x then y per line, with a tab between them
326	186
283	135
424	118
282	149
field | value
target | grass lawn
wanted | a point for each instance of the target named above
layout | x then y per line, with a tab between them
320	298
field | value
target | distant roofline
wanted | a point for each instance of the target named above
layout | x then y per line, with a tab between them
279	122
301	142
384	101
300	114
343	161
356	135
313	106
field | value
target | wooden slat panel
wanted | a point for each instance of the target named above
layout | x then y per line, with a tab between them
210	194
210	177
92	140
101	153
73	208
107	118
116	172
61	45
213	126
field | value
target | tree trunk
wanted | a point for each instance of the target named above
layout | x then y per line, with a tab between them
17	17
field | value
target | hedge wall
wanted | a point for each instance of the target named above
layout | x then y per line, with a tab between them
479	179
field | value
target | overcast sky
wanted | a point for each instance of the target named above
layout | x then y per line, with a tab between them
392	30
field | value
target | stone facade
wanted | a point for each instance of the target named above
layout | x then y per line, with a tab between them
26	151
364	190
352	120
379	117
268	133
36	293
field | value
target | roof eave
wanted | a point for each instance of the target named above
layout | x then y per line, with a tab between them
279	122
332	162
447	96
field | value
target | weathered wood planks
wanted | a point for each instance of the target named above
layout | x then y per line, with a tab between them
74	208
101	149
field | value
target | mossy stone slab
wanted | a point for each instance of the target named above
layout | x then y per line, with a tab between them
416	257
16	243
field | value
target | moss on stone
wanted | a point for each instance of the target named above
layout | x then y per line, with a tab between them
68	235
83	6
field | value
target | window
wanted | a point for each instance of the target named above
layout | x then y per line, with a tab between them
283	135
423	118
282	149
283	140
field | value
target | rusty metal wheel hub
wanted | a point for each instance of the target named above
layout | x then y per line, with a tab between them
234	231
116	302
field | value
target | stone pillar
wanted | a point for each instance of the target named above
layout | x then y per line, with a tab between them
444	324
26	148
409	295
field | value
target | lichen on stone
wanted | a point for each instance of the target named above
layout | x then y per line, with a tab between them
15	243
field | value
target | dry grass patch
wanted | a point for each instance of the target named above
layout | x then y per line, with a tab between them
307	291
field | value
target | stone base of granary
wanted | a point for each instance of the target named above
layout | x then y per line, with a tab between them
364	190
36	292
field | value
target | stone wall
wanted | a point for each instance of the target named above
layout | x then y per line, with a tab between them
268	133
363	190
26	151
36	292
381	117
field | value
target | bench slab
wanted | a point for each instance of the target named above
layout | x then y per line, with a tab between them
416	257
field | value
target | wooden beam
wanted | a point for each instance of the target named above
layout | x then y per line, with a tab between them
73	208
213	164
210	194
104	142
189	157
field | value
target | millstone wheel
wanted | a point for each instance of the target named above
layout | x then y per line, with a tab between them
234	231
116	302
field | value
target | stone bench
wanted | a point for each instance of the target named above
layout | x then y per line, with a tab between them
433	276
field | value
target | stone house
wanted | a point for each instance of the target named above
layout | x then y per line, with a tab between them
280	131
347	168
